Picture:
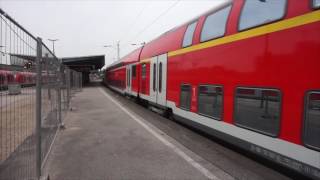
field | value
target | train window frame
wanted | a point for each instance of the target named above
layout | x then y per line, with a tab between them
185	108
134	71
10	78
154	78
195	23
225	23
143	71
127	77
315	4
222	102
160	78
2	79
253	129
305	119
284	13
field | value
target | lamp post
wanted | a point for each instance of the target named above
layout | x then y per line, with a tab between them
138	44
53	40
118	49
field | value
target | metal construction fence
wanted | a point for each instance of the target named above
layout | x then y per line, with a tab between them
35	93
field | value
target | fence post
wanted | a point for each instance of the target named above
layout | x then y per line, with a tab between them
60	70
81	81
47	65
68	79
38	107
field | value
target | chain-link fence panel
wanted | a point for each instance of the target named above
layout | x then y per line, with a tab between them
17	101
50	69
35	94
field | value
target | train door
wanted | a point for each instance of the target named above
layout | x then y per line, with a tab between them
128	78
158	79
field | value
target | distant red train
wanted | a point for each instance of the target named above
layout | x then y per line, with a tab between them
16	77
247	72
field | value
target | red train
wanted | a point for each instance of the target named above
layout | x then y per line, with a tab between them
246	72
16	77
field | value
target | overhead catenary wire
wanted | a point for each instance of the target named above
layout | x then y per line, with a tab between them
134	22
155	20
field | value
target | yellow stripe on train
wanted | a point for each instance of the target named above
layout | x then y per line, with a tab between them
274	27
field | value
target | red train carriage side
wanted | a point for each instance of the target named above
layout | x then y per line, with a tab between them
131	62
25	78
2	79
6	78
20	78
116	79
16	77
122	76
246	72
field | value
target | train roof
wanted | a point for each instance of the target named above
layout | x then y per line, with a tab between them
169	41
172	39
130	58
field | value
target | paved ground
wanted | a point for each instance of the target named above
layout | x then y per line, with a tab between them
16	120
233	161
7	100
103	141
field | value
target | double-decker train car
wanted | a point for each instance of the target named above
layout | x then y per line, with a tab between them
246	72
25	78
122	76
6	78
16	77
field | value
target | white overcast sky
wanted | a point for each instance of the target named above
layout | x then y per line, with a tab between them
83	27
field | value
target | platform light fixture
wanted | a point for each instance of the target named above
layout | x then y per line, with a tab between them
118	49
53	40
137	44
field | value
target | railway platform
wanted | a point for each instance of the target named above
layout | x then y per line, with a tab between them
103	139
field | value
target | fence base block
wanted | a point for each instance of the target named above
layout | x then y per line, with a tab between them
44	177
14	89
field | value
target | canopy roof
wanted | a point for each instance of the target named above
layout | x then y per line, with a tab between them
84	63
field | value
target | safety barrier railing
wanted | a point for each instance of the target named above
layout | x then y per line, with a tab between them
35	93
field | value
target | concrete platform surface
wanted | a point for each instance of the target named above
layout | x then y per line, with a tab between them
104	140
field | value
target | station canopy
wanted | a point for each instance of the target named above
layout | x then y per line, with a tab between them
80	64
84	63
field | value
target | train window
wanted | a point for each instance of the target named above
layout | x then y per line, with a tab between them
258	12
210	101
258	110
144	71
154	76
10	78
185	97
2	79
312	120
129	82
127	77
215	24
134	70
188	35
316	3
160	77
